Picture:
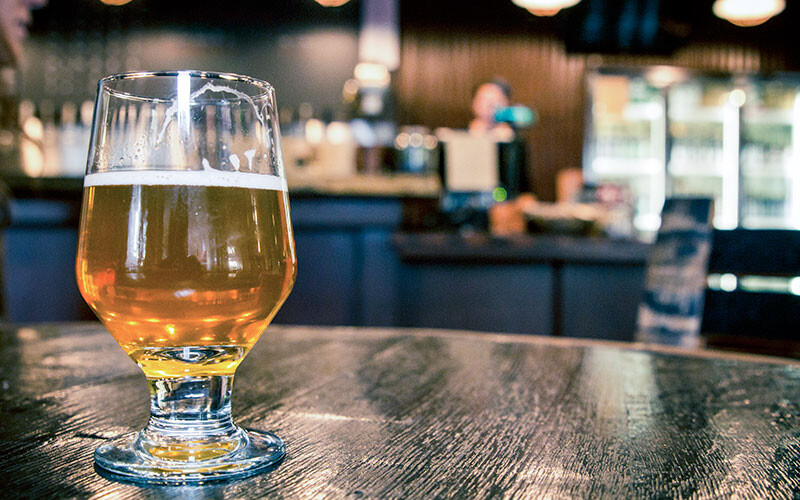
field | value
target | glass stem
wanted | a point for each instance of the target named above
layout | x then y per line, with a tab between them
187	407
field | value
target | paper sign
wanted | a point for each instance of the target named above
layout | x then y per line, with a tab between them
471	163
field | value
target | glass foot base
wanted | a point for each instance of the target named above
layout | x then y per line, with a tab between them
129	459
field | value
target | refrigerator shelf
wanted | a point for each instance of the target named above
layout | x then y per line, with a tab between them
610	166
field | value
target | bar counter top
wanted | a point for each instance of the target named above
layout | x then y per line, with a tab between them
68	187
521	248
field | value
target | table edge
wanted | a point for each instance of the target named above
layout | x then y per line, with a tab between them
560	342
495	337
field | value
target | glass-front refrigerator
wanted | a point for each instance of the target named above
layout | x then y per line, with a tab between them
770	141
625	141
703	144
670	132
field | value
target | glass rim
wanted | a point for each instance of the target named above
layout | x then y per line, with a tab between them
104	83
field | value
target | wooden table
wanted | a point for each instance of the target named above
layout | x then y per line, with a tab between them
392	413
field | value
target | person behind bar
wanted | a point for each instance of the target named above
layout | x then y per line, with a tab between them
15	16
486	100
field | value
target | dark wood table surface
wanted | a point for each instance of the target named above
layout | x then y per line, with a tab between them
392	413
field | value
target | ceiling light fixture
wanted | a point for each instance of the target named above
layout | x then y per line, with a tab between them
332	3
545	7
747	12
115	2
372	75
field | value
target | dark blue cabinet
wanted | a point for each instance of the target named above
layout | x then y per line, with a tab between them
356	267
513	298
577	287
346	266
601	301
39	262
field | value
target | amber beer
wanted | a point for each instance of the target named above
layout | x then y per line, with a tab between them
185	269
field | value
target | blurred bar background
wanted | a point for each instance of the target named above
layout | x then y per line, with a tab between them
643	99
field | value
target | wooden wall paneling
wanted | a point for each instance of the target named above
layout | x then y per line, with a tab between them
439	69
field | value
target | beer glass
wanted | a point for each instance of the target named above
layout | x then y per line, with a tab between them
185	254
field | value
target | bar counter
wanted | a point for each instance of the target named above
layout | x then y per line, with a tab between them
360	264
561	285
417	413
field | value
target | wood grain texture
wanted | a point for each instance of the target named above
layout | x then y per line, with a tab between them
370	413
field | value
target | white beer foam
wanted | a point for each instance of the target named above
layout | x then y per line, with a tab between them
207	177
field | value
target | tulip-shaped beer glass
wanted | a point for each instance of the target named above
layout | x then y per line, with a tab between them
185	254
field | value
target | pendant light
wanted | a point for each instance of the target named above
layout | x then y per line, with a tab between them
332	3
545	7
747	12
